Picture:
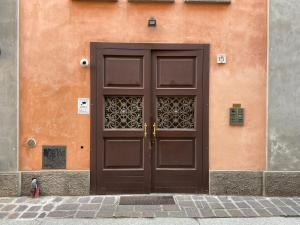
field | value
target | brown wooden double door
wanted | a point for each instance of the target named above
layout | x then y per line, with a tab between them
149	126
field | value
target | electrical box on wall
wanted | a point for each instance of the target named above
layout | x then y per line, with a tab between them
236	115
83	106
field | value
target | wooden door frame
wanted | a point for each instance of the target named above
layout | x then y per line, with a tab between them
94	46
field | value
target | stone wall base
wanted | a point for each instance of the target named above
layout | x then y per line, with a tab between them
57	182
235	183
9	184
282	183
66	182
268	183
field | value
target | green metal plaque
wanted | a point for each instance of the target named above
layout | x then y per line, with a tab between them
54	157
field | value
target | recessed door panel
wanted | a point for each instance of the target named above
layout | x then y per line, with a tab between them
130	68
123	153
175	153
170	70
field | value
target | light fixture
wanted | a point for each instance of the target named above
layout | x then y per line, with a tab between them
151	22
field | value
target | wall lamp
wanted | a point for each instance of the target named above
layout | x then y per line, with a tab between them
151	22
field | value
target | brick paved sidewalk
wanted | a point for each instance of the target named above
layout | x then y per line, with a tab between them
195	206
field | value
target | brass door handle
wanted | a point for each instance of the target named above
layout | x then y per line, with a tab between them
145	130
154	129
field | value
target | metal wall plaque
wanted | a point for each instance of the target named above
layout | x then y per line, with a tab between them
236	114
54	157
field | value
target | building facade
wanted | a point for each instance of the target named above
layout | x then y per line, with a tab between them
204	100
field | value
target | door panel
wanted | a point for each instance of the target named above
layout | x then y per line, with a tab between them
131	151
149	118
130	67
123	112
175	112
170	70
170	154
177	160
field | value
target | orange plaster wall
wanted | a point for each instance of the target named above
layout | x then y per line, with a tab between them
55	35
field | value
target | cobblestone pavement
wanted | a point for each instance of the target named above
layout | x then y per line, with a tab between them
187	206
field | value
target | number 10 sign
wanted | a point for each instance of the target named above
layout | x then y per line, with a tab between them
221	59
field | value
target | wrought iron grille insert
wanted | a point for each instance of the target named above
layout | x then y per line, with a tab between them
175	112
123	112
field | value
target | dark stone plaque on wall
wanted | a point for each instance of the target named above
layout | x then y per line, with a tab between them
54	157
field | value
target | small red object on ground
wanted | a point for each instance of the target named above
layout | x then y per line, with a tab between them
37	192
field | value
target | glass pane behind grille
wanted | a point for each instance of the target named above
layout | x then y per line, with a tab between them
175	112
123	112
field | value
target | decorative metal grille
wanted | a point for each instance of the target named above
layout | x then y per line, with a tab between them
123	112
175	112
